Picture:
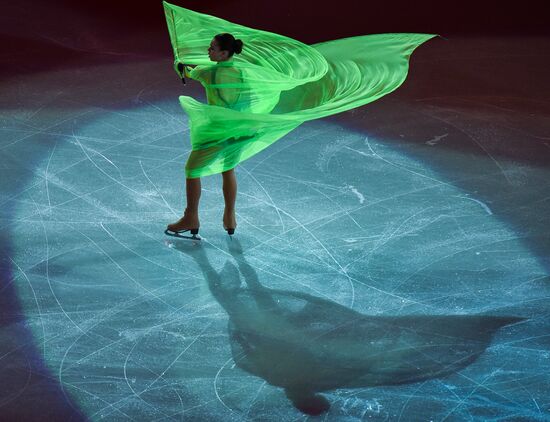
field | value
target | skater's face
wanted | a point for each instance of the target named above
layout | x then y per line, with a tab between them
214	52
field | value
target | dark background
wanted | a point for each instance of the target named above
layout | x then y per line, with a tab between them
54	31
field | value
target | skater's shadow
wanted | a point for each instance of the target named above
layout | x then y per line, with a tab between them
308	345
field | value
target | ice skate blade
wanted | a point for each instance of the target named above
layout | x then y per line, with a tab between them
181	236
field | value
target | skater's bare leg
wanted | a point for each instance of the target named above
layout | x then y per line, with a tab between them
193	191
190	219
229	196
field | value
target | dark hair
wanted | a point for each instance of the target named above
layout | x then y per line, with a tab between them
228	42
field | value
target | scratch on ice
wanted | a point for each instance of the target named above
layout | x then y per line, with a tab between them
436	139
357	193
485	207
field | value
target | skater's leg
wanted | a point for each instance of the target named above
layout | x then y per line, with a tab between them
193	192
190	219
193	189
229	196
229	189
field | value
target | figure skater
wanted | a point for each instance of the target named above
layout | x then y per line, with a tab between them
221	50
275	86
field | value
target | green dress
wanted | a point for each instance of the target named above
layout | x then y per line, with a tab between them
275	84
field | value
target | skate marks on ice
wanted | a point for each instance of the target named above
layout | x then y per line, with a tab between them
308	345
131	330
149	327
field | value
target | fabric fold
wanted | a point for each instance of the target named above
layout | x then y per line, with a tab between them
275	84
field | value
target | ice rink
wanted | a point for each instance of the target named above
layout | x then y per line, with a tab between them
390	263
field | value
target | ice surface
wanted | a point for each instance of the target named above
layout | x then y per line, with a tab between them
390	263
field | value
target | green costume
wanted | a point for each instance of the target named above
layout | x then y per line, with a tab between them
275	84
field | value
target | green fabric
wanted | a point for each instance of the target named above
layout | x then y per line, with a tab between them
275	84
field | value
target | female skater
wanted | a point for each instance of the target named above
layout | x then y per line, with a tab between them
273	87
221	50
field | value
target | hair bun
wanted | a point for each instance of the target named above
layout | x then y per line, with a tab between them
227	42
238	46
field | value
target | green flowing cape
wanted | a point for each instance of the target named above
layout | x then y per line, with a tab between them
275	84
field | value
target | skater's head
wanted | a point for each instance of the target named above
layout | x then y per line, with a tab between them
223	46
